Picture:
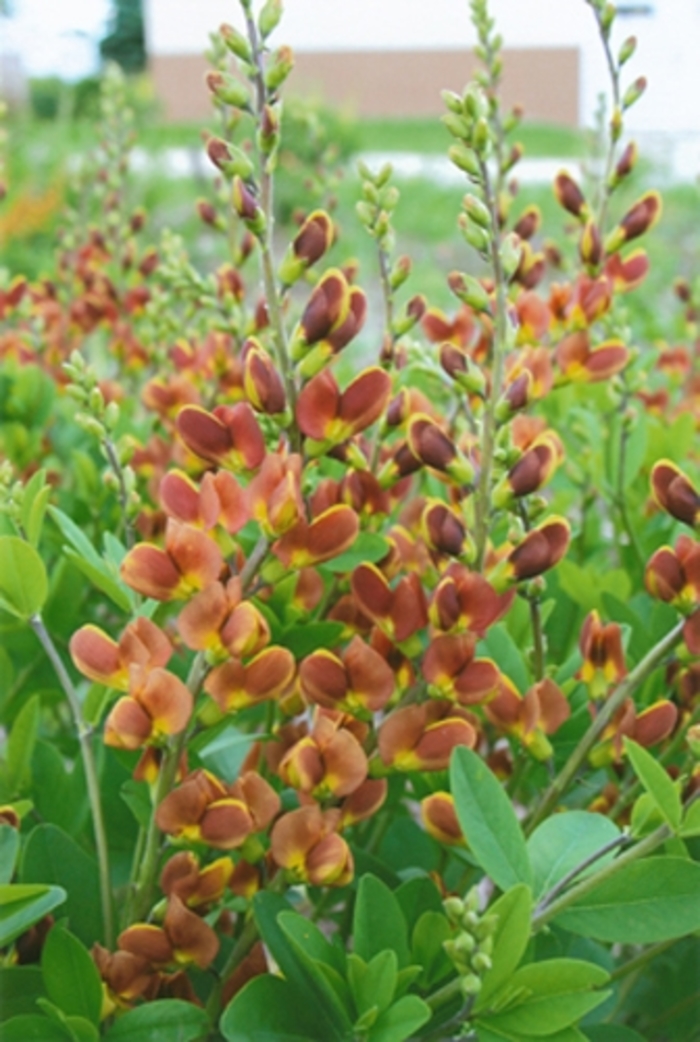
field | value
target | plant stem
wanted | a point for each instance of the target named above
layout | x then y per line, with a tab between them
639	961
639	850
90	767
488	438
254	561
142	889
245	942
622	692
561	886
118	470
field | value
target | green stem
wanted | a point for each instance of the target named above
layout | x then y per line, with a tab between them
254	561
645	846
142	888
488	442
627	686
245	942
640	961
90	767
118	471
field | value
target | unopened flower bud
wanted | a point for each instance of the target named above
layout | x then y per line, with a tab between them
569	195
510	253
453	101
481	963
228	89
634	92
280	66
454	907
236	42
400	271
693	738
465	159
470	985
269	17
474	234
477	211
627	50
469	290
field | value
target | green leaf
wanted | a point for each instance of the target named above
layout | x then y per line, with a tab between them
34	503
31	1027
268	1009
20	987
500	646
645	902
223	749
308	936
612	1033
167	1020
401	1020
24	586
426	947
510	939
83	1030
83	554
553	995
9	848
22	906
20	745
309	982
372	983
368	547
586	585
50	855
488	820
656	781
489	1034
306	637
691	821
378	923
70	976
416	896
563	841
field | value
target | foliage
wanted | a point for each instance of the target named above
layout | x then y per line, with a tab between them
351	671
125	43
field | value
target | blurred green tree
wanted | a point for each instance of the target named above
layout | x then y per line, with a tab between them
125	42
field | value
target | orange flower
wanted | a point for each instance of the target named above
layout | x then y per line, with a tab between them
197	887
219	621
218	499
533	470
230	436
603	658
263	384
184	938
530	718
439	817
422	737
674	575
306	844
328	415
326	536
327	762
100	658
399	613
452	671
541	549
274	494
464	600
126	977
235	685
579	362
674	492
358	682
647	728
443	530
205	810
158	704
429	444
334	315
190	561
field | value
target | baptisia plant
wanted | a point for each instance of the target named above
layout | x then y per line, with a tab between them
351	670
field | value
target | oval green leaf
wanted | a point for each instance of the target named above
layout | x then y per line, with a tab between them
70	976
564	841
169	1020
22	906
24	586
269	1009
645	902
488	821
656	782
510	939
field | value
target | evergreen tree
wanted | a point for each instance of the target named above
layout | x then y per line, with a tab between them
125	43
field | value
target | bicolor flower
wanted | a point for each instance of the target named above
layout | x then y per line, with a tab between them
363	802
126	977
205	810
329	761
422	737
439	818
465	600
641	216
218	499
674	493
235	685
184	938
229	436
198	888
217	620
532	471
312	542
158	704
429	444
569	195
541	549
329	415
647	728
314	237
531	717
262	382
398	612
359	681
190	561
674	575
603	657
334	315
443	529
307	846
578	362
274	494
107	662
452	671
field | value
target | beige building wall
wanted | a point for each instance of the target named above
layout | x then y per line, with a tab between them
545	81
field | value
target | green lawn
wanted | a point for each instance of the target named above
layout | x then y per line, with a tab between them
429	136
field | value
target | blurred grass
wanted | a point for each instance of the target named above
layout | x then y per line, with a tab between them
429	136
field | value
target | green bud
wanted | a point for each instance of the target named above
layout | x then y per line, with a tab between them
627	50
477	211
470	985
465	159
229	89
476	103
464	944
469	290
473	234
269	18
111	416
454	907
96	402
383	176
457	125
510	252
236	42
481	963
90	425
481	139
279	68
607	17
365	211
634	92
453	102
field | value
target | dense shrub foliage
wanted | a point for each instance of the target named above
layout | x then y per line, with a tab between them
351	669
